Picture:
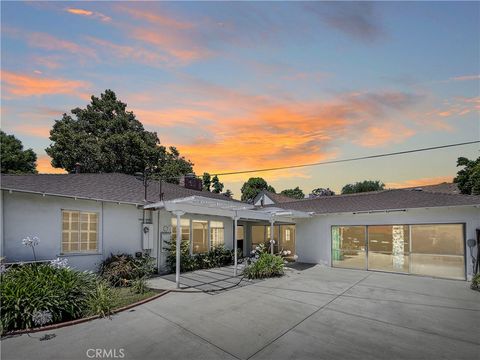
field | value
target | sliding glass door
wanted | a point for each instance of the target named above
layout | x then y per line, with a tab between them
349	247
438	250
388	248
427	249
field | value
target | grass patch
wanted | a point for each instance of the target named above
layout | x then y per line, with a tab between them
124	297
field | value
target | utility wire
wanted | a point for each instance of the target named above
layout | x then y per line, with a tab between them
349	159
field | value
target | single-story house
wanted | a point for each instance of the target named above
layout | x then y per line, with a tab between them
86	217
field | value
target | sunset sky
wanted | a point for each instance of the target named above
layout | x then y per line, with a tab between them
238	86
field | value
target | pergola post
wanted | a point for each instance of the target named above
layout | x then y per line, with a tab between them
235	244
178	213
272	241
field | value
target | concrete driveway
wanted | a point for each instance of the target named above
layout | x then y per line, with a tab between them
314	313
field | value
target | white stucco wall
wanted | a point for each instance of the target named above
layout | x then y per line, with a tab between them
37	215
119	228
313	244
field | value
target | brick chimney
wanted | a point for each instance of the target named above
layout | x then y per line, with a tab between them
190	181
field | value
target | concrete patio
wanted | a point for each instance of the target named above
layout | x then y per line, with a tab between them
311	313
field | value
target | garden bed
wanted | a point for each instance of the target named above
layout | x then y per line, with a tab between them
125	300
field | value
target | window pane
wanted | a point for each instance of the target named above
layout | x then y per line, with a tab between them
349	247
287	241
216	234
438	250
240	232
388	248
200	237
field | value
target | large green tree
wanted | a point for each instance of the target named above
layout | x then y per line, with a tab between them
468	178
105	137
253	187
14	159
295	193
363	186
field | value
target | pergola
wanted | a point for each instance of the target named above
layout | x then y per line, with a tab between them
226	208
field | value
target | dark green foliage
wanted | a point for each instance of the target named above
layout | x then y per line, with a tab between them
475	282
468	178
105	137
318	192
121	269
206	181
217	257
267	265
253	187
15	160
30	288
102	299
217	186
295	193
228	193
363	186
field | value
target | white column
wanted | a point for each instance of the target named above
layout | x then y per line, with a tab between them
178	247
235	245
271	235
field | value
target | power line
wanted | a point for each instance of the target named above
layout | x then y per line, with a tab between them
349	159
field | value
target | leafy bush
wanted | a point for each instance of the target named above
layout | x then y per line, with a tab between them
120	269
38	294
139	286
217	257
101	299
265	266
475	282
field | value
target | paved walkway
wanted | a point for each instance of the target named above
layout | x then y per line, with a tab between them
314	313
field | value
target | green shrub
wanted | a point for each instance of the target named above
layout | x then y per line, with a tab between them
265	266
139	286
216	257
475	282
120	269
101	299
38	294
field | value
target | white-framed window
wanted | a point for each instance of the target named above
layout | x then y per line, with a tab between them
79	231
185	229
217	234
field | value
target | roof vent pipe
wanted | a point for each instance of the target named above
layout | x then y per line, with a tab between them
78	168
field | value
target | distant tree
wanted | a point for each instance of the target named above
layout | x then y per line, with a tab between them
363	186
228	193
468	178
206	181
319	192
295	193
15	160
105	137
253	187
217	186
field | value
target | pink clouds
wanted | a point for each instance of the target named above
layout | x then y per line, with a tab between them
20	85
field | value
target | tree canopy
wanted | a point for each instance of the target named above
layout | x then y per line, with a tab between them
295	193
318	192
206	181
105	137
14	159
253	187
363	186
468	178
217	186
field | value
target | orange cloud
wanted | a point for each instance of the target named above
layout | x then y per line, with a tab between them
465	78
156	18
88	13
20	85
52	43
44	166
419	182
384	134
172	117
32	130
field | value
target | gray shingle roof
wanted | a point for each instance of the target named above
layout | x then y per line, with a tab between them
109	187
380	201
446	188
